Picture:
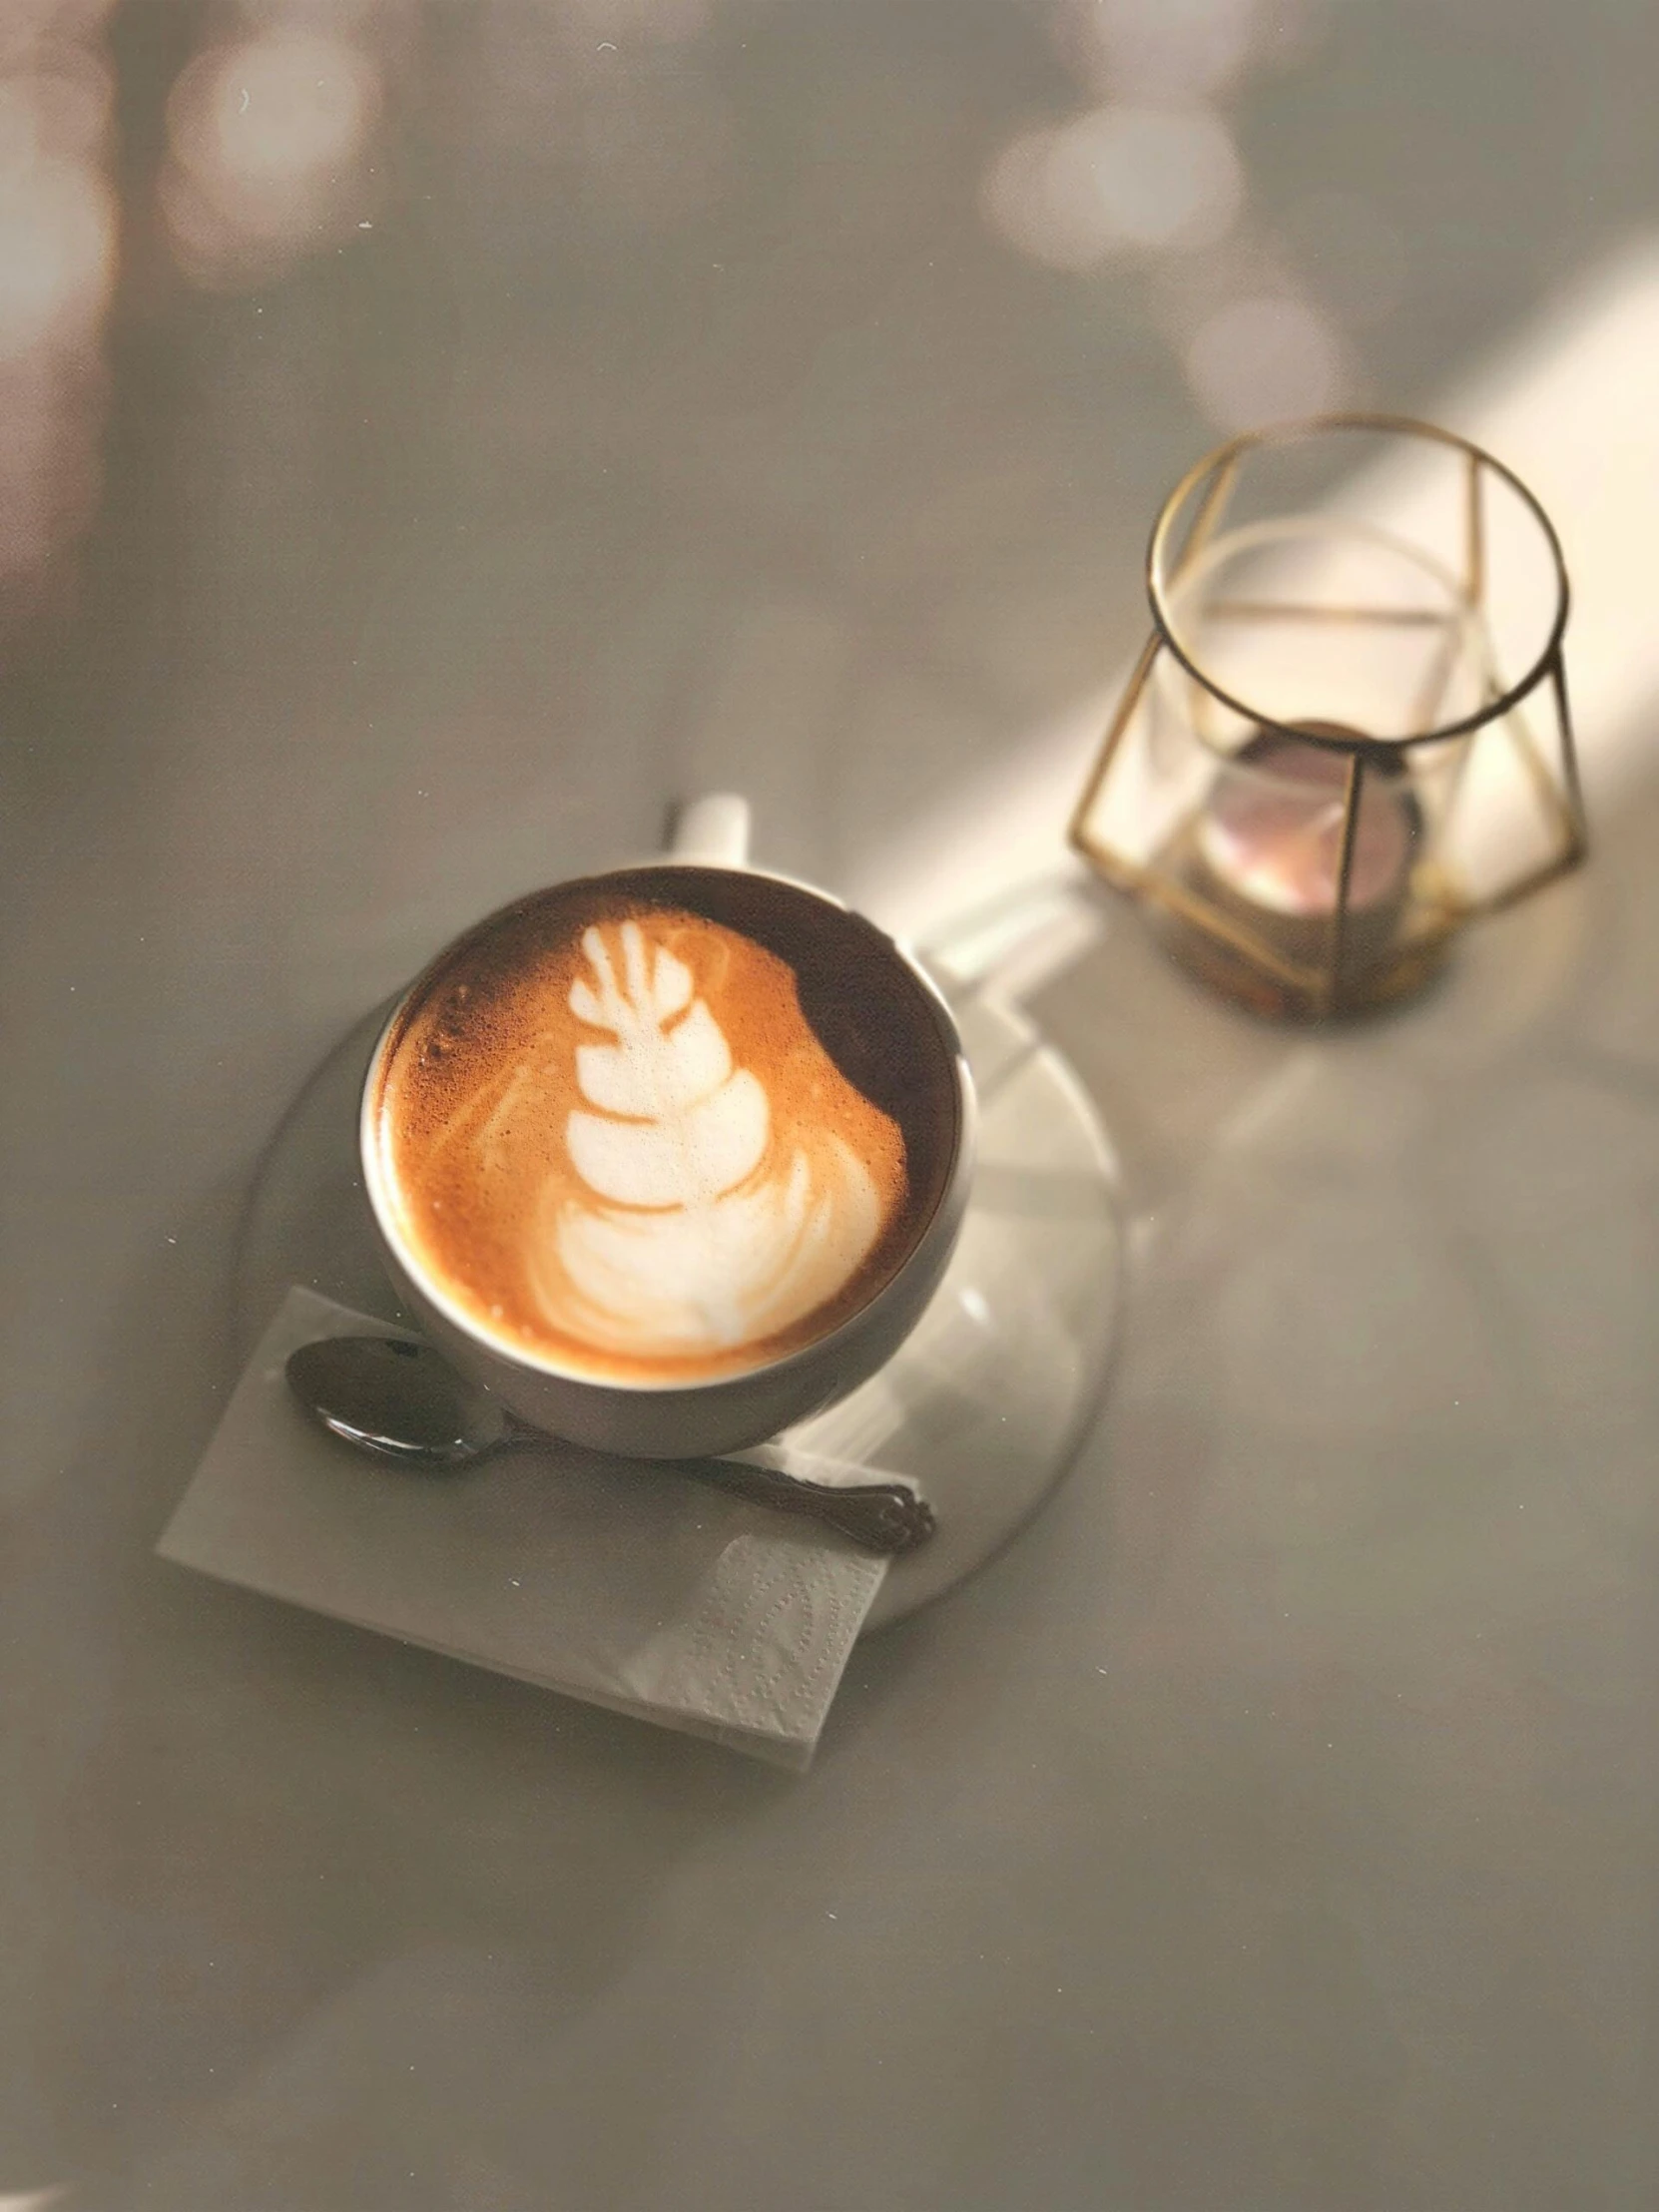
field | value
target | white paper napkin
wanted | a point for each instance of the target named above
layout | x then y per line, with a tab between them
619	1582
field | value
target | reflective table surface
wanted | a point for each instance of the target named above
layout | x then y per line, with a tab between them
738	394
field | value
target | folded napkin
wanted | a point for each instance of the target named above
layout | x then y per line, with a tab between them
619	1582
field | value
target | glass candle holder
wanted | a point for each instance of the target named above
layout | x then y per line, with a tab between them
1349	731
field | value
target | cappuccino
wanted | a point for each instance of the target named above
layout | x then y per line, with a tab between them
665	1125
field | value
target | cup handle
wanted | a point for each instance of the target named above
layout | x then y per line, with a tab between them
712	830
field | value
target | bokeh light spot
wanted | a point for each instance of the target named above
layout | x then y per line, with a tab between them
1262	359
57	256
1160	49
268	140
1117	180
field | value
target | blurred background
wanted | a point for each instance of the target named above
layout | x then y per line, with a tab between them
677	390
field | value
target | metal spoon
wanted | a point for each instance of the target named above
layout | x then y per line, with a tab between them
403	1401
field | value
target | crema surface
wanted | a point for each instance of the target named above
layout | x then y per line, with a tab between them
614	1135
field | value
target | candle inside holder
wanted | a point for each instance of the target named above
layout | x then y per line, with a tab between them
1265	851
1270	831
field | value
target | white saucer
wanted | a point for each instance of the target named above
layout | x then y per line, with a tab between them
986	1403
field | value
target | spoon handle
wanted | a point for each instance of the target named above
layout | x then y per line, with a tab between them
889	1518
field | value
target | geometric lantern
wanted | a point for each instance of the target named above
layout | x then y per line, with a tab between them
1348	734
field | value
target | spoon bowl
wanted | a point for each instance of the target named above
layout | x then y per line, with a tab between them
400	1400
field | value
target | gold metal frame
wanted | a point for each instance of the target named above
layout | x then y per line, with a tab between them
1294	985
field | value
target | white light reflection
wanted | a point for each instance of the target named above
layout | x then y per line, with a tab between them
1118	180
1162	49
268	138
59	107
57	257
58	246
1159	48
1262	359
28	25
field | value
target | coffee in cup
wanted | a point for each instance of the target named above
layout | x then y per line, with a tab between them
663	1127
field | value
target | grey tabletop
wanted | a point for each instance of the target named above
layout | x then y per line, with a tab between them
608	401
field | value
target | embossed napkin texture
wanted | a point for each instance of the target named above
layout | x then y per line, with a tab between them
621	1583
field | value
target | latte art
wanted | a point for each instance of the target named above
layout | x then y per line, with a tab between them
712	1238
613	1135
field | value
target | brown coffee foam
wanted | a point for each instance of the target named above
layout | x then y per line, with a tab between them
479	1078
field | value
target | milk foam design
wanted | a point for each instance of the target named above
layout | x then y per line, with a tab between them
703	1233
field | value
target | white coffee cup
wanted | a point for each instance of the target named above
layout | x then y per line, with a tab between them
724	1412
